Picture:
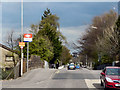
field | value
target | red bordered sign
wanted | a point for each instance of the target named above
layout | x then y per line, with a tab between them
27	37
22	44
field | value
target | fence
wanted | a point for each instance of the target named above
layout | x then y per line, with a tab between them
13	73
17	70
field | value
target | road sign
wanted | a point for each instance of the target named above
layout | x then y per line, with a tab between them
27	37
22	44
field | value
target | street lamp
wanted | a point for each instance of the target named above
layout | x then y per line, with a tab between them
99	54
94	27
86	61
21	37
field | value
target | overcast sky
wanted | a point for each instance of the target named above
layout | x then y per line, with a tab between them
74	16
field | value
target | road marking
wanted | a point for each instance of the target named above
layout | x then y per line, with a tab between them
93	83
57	71
54	74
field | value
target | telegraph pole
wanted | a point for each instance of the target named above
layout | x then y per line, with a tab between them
21	37
86	60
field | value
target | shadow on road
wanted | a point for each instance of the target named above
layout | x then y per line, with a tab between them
98	86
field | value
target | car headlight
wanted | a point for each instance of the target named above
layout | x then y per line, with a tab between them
109	80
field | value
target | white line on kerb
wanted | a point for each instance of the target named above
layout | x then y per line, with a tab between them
90	83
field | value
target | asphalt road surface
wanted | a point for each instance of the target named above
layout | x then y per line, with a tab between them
52	78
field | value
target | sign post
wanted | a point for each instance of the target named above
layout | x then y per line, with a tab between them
27	38
27	54
21	44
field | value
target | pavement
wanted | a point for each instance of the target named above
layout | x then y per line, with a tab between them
53	78
30	79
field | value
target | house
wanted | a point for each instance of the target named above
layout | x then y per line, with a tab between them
7	57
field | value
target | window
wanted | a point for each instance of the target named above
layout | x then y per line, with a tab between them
9	58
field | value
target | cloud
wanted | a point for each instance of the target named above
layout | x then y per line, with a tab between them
0	33
4	32
73	33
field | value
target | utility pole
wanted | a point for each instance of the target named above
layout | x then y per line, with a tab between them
86	60
21	37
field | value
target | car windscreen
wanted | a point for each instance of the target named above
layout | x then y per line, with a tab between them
71	65
113	71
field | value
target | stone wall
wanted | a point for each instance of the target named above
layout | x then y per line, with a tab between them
35	62
3	53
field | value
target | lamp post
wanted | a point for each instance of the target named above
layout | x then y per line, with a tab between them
21	37
86	61
99	54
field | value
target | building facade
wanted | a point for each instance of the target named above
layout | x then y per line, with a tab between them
7	57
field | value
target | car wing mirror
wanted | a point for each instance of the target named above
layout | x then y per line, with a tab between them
102	73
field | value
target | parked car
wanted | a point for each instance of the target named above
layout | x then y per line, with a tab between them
71	66
77	66
84	66
110	77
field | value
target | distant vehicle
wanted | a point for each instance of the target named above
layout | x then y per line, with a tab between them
110	77
84	66
71	66
77	66
71	63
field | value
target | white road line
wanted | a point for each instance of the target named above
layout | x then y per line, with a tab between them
53	74
57	72
49	77
92	83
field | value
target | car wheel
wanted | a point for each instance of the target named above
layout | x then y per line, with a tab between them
106	89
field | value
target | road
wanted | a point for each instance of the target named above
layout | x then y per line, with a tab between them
52	78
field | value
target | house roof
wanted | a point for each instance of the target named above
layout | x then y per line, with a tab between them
7	48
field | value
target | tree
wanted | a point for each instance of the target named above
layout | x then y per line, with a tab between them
65	55
47	38
118	36
49	27
34	29
108	44
95	41
42	47
17	47
10	41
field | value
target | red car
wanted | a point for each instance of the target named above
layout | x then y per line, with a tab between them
110	77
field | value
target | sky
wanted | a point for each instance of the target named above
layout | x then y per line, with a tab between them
60	0
75	17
